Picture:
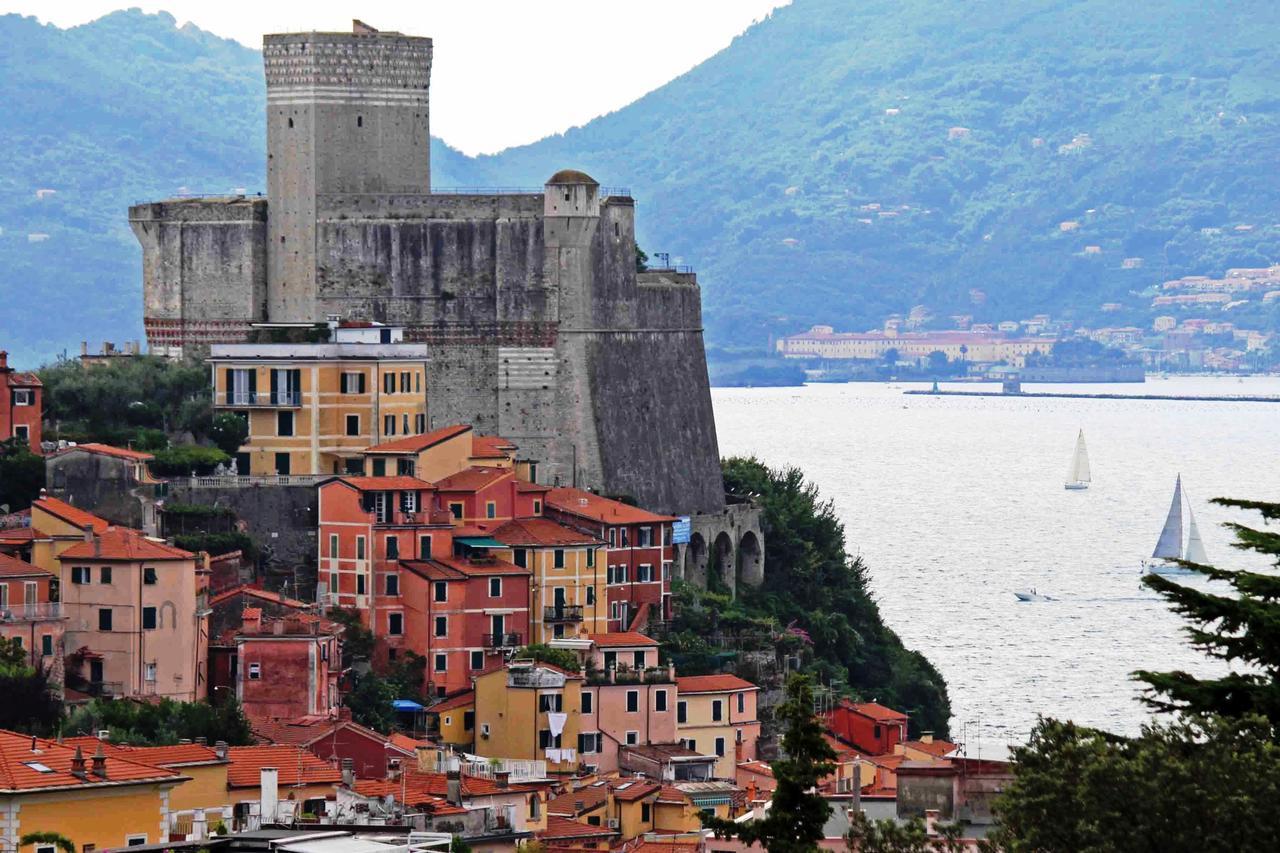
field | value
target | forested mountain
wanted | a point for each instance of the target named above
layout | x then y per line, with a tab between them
839	161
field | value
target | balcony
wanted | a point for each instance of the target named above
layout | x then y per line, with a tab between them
562	613
31	612
260	399
104	689
503	641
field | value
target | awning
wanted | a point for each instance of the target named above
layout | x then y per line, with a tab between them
479	541
406	705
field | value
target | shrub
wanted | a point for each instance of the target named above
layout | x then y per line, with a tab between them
184	459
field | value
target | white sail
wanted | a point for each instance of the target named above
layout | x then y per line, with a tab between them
1169	546
1195	545
1079	471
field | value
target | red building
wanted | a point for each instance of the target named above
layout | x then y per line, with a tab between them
335	741
367	526
638	556
463	612
288	666
482	496
30	614
872	728
20	404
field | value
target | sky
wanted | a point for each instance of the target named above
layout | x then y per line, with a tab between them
505	72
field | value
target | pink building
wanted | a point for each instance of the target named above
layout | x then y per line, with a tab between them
29	613
628	699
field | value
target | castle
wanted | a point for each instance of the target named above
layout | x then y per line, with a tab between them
539	326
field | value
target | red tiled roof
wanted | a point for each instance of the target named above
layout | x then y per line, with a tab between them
597	507
175	755
712	684
540	531
121	543
876	712
24	380
523	486
490	447
754	766
11	535
386	484
638	790
665	847
622	638
473	479
419	443
255	592
409	794
437	784
458	700
408	744
296	766
672	794
560	827
22	756
12	567
459	568
108	450
936	748
71	515
591	798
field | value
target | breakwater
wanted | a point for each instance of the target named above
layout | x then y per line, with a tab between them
1242	398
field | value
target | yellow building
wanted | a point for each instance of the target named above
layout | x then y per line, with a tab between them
632	807
444	452
569	575
314	408
531	711
716	715
94	799
976	347
57	526
454	719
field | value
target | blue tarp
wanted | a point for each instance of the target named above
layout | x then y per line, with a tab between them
406	705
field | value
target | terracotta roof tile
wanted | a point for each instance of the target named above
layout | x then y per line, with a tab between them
261	594
473	479
523	486
12	535
712	684
622	638
121	543
385	484
296	766
419	443
412	794
108	450
175	755
936	748
560	827
465	699
71	515
48	765
459	568
876	712
665	847
24	380
12	567
540	532
597	507
491	447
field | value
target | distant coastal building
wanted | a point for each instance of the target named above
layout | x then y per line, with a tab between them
825	342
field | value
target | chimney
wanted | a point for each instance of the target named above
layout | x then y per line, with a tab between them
855	802
502	778
269	800
202	741
4	360
185	741
926	737
454	778
349	772
100	762
78	766
220	749
88	533
84	347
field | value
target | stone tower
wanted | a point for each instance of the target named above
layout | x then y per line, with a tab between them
346	113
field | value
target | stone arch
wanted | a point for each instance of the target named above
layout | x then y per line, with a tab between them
695	560
722	562
750	560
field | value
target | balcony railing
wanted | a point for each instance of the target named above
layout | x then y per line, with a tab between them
106	689
279	399
31	612
562	613
503	641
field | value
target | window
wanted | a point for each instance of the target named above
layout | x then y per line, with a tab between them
876	732
717	710
490	509
550	702
455	509
588	703
104	619
46	645
548	741
284	423
359	547
395	624
22	431
644	573
135	840
558	558
644	537
691	744
359	121
22	397
353	424
535	807
242	386
468	720
149	576
379	467
104	574
393	584
477	661
613	537
682	712
633	701
388	383
419	424
666	570
352	383
591	558
742	703
148	618
388	424
409	501
333	545
284	464
393	548
591	595
520	558
406	382
149	672
645	812
637	660
442	626
361	584
80	574
720	747
537	507
424	547
495	587
255	671
623	537
441	591
404	467
404	424
632	738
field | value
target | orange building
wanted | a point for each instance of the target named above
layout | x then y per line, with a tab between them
287	667
21	406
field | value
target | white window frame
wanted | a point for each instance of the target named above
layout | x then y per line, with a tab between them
391	630
632	738
435	627
255	671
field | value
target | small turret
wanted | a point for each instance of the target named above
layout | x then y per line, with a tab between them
572	193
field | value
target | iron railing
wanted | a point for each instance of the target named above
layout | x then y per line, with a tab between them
509	640
31	612
278	399
562	613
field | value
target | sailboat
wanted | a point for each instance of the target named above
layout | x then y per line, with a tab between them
1078	473
1170	547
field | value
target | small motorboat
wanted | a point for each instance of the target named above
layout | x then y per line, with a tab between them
1031	595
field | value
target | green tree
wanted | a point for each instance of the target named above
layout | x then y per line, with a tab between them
113	402
938	361
31	702
642	259
185	459
165	722
798	814
229	432
66	845
891	356
562	658
1242	627
21	474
